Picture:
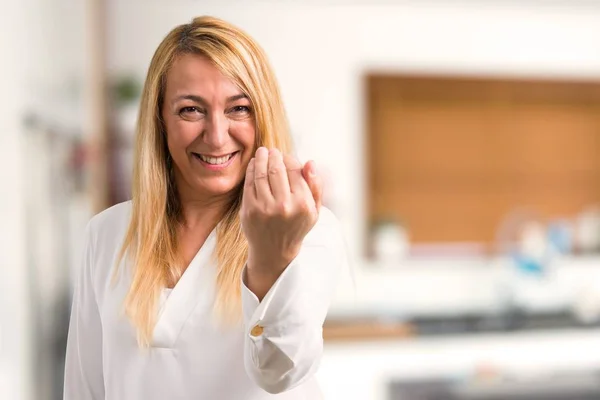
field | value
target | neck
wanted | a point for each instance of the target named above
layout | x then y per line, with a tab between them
202	213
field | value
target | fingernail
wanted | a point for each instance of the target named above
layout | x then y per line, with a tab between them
312	170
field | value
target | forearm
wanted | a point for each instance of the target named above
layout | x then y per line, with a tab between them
283	340
263	272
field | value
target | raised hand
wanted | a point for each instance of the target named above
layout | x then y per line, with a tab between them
280	206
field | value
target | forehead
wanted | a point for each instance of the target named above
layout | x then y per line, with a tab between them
196	74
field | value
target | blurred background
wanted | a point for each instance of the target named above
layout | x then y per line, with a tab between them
460	142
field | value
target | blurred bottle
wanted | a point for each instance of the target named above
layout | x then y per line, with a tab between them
390	241
560	238
587	231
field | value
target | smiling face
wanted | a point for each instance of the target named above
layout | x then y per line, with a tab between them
210	128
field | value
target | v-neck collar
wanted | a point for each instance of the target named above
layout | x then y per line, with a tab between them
195	285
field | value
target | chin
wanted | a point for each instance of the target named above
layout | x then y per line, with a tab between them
219	188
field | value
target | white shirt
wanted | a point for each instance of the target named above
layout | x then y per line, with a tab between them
191	356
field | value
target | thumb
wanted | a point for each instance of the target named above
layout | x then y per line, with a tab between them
315	183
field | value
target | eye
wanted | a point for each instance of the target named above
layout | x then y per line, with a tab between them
241	110
190	113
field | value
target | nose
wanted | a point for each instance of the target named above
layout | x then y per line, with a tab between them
216	132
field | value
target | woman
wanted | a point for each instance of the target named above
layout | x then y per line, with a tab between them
214	281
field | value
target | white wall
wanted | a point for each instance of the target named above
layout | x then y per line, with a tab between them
42	59
13	320
320	54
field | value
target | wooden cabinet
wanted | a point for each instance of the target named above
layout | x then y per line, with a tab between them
452	156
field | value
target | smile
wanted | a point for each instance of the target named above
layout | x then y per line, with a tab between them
215	162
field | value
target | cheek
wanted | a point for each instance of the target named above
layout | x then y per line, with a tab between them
180	135
245	134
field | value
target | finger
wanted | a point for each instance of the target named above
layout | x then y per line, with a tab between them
278	178
249	189
294	172
314	180
261	179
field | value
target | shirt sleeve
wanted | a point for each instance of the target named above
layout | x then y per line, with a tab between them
284	332
83	364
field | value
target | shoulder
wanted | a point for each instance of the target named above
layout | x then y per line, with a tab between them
110	224
327	230
112	215
325	245
327	220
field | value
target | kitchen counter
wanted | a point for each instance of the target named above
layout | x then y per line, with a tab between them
367	369
436	286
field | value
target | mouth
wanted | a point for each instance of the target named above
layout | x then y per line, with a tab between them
221	160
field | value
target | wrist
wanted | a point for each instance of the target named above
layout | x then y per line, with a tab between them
266	267
260	276
269	263
263	269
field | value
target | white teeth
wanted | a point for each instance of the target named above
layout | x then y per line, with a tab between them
215	160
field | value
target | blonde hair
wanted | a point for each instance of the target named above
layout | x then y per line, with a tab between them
151	239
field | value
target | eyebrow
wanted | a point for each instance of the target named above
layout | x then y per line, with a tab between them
201	100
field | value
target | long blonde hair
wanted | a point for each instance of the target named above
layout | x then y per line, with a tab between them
151	240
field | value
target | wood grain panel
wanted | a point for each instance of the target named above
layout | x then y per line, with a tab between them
452	156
